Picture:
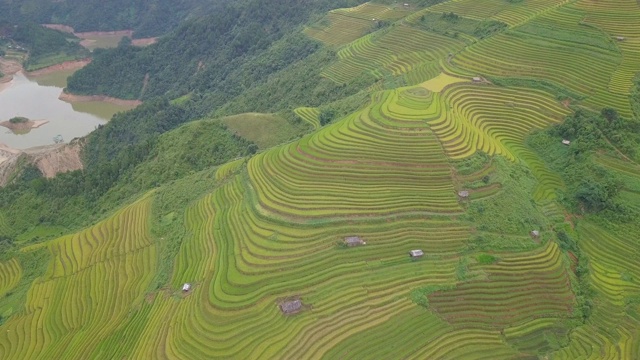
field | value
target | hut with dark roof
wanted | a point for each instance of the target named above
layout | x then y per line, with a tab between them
291	307
354	241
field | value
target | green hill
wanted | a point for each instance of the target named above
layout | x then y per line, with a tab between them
146	18
499	137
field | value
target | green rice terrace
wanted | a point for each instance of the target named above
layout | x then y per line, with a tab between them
498	137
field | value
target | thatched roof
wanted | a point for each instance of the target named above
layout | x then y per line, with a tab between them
290	307
354	241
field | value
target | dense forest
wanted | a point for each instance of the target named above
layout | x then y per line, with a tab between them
222	54
146	18
43	44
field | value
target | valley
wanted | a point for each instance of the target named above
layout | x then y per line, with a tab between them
335	180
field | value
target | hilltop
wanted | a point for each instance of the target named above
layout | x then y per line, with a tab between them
265	198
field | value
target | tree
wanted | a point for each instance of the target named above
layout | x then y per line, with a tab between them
326	116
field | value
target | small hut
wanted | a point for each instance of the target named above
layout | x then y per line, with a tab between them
620	38
354	241
535	234
416	253
186	287
463	194
291	307
566	142
476	79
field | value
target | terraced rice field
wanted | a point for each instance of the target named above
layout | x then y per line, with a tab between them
341	26
92	282
309	115
558	48
392	52
271	228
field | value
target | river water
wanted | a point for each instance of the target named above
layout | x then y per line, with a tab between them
37	99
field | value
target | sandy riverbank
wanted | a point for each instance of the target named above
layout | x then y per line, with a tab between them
67	65
23	127
8	68
70	98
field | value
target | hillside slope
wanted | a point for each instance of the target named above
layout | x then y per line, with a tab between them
146	18
301	250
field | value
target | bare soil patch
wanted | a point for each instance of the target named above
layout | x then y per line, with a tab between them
56	159
8	68
59	27
64	96
144	42
67	65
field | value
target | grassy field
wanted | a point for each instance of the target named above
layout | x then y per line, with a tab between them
440	159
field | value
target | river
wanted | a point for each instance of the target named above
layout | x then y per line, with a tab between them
37	99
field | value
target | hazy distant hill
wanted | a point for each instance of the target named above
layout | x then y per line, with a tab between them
146	18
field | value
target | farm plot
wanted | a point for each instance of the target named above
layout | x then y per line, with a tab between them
620	19
94	279
511	13
342	26
496	120
382	160
309	115
10	274
612	331
555	48
511	292
390	52
243	263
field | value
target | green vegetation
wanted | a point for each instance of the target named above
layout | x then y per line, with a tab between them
18	120
265	140
453	25
146	19
45	46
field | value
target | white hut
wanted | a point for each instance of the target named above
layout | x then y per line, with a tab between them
566	142
416	253
186	287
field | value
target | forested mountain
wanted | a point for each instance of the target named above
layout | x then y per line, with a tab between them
146	18
45	46
219	55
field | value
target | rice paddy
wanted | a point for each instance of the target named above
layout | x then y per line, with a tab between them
271	227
